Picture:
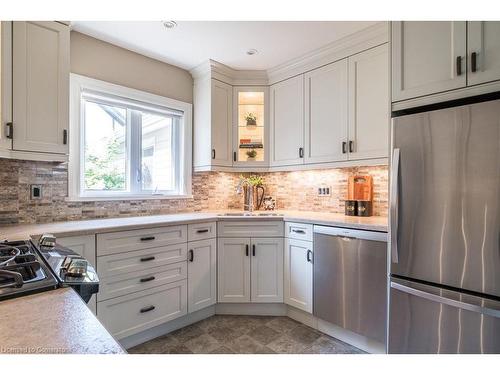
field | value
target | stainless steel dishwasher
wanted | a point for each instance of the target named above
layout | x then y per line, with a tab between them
350	279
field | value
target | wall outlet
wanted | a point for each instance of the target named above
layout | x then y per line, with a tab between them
323	191
36	191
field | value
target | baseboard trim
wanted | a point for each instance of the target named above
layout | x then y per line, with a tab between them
359	341
276	309
163	329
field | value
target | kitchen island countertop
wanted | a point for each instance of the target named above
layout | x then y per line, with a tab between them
53	322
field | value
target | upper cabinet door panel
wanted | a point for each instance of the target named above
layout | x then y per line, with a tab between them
483	40
40	86
326	113
369	104
424	58
287	122
222	96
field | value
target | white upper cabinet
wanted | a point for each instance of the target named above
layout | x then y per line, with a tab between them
483	44
40	87
267	270
202	268
221	135
5	83
427	58
326	113
212	136
287	122
250	126
369	104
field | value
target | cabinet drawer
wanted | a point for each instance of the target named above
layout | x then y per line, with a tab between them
118	264
119	285
136	312
299	231
130	240
250	228
202	231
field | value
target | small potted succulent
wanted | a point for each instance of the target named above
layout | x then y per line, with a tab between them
251	154
251	119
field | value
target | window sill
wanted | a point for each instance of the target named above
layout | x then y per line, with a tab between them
128	198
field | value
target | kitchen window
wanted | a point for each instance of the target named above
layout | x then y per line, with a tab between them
127	144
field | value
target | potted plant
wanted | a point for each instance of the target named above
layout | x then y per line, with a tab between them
251	119
251	154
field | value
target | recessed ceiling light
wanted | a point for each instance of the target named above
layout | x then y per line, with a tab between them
252	51
169	24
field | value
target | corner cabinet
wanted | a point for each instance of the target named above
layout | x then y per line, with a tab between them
443	58
251	126
250	270
37	86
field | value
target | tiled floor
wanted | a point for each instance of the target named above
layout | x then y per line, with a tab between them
225	334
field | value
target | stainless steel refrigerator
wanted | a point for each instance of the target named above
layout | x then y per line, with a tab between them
445	231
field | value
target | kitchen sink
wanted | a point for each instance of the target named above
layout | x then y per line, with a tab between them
250	214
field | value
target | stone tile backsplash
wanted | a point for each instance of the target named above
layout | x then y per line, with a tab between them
211	191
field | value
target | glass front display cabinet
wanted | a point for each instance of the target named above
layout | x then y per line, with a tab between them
251	126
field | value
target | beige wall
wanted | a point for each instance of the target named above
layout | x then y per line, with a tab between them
97	59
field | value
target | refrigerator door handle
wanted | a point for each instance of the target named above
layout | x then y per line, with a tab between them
394	203
446	301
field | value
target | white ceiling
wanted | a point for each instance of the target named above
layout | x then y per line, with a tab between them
193	42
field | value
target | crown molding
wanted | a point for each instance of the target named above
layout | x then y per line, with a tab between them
362	40
221	72
369	37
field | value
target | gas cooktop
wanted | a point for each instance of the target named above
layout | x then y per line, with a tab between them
22	271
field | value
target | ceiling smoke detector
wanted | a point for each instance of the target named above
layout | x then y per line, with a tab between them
169	24
252	51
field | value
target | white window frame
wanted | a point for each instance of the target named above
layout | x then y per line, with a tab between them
80	84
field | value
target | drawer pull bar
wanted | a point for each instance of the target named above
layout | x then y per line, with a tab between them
146	279
146	309
299	231
191	255
202	231
151	238
147	259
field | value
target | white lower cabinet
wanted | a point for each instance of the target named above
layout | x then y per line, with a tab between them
202	268
84	246
250	270
299	274
233	268
267	270
136	312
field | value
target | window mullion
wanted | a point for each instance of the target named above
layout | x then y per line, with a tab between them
135	151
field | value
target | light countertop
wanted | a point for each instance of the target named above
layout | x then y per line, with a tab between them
53	322
83	227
